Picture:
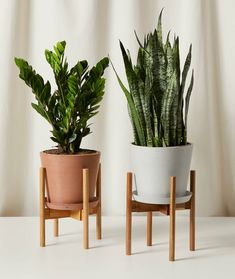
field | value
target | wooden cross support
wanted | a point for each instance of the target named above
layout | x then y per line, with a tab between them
167	209
80	211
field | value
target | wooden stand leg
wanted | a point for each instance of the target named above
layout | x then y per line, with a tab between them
172	218
98	214
192	211
128	213
42	207
149	228
56	227
85	213
80	215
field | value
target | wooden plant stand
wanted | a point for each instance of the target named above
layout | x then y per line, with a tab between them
167	209
80	211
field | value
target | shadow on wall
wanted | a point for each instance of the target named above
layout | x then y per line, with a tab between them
16	140
102	27
220	151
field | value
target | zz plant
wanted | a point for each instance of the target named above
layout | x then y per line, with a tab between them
157	105
75	100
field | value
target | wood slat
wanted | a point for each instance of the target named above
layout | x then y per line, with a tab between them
172	219
129	209
42	206
192	211
56	227
54	214
149	228
98	209
85	213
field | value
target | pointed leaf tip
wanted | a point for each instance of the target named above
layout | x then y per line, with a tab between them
138	40
160	15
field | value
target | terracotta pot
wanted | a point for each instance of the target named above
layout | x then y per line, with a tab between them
64	175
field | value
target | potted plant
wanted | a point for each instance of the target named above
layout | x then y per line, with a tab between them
158	109
68	109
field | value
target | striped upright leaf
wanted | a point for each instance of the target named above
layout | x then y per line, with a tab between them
156	99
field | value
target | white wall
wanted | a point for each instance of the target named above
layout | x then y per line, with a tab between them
92	29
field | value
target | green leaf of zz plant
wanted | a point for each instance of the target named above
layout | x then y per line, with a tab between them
75	100
157	104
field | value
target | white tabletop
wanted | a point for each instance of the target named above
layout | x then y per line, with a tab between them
64	257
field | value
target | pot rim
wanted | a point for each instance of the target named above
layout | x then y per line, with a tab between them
94	152
189	144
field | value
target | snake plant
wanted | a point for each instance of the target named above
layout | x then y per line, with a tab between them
74	101
157	102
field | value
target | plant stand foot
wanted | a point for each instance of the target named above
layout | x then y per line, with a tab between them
128	213
85	208
192	211
56	227
149	228
172	219
98	214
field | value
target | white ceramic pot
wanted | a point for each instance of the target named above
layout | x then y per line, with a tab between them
152	168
